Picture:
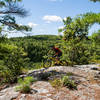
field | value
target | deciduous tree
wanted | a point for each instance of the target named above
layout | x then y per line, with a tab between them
76	44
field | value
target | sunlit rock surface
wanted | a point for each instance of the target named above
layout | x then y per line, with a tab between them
86	76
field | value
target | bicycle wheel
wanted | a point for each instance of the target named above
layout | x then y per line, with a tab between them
47	63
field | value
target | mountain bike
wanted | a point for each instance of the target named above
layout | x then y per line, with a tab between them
51	61
54	61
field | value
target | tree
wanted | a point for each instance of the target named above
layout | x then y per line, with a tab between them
95	51
10	9
11	57
95	0
76	44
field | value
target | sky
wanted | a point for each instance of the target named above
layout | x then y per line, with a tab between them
45	16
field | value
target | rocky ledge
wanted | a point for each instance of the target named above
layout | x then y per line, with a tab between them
86	76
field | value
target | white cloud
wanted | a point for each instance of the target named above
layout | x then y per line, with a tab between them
60	27
32	24
20	24
65	18
52	18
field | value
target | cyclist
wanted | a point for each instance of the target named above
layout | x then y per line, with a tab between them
58	52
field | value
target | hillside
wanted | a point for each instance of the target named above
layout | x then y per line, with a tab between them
36	46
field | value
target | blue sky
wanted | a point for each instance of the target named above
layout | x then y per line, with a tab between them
46	15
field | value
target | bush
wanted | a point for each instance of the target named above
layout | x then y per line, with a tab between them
24	84
12	60
64	81
56	83
69	83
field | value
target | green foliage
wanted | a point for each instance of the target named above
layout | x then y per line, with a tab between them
76	45
12	59
64	81
19	53
36	47
8	8
57	83
95	0
25	89
24	84
29	79
69	83
51	60
95	51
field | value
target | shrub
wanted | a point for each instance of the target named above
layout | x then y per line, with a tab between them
24	89
57	83
12	60
65	81
69	83
24	84
29	79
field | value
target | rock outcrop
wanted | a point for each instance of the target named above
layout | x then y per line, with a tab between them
86	76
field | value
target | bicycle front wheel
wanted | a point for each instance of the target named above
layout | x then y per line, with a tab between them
47	63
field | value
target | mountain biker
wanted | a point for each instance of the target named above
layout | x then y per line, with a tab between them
57	51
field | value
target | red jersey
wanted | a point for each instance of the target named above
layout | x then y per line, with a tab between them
57	50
